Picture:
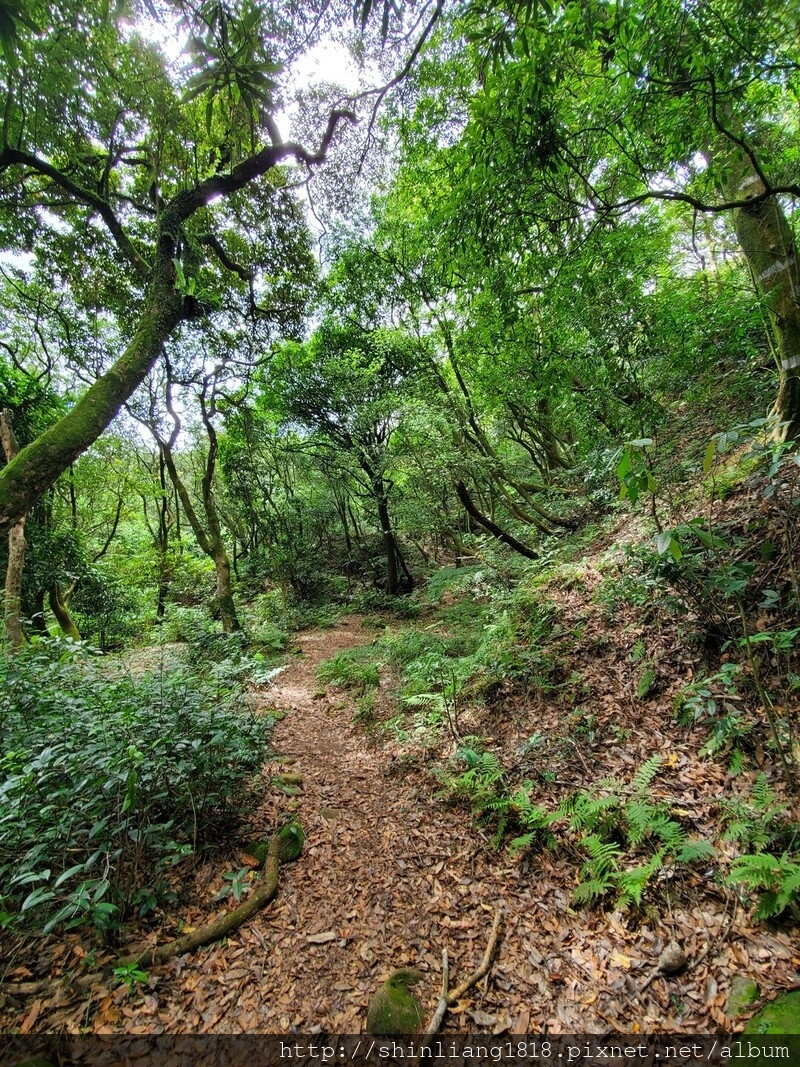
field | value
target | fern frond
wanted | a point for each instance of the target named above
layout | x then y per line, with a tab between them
646	773
695	849
490	765
519	844
591	889
603	855
670	832
639	817
768	906
756	871
790	889
633	882
763	796
593	813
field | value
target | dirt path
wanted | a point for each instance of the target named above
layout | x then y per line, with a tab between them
388	877
385	875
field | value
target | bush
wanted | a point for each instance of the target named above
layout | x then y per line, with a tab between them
107	782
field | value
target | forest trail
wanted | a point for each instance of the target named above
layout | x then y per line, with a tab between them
391	873
385	879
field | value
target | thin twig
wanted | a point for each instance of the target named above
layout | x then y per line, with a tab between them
486	962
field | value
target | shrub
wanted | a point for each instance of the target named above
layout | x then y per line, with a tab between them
107	782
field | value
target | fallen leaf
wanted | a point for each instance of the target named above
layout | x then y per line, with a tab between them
482	1018
322	939
31	1017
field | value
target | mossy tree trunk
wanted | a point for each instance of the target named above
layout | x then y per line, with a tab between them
769	247
163	306
59	605
12	600
209	534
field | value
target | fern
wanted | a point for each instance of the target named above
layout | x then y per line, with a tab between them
525	841
598	872
693	850
759	822
586	812
776	878
604	854
668	831
591	890
646	773
632	883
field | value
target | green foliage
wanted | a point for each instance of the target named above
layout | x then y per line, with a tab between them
353	669
775	878
757	822
108	782
636	824
610	827
131	974
481	785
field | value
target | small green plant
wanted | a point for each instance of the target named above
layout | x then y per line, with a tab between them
759	821
775	878
646	683
131	974
354	668
160	764
236	884
620	826
716	701
365	708
482	786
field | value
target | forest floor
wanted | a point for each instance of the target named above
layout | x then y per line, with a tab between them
391	873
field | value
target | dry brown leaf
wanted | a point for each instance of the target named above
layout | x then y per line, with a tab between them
31	1017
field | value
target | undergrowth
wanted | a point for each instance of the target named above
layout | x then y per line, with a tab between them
624	837
107	782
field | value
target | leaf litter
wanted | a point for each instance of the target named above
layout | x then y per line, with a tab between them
390	874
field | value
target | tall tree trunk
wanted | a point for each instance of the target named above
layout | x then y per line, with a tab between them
389	547
225	601
395	564
12	597
209	537
769	248
38	465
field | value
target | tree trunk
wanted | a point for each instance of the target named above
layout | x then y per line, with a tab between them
392	572
60	608
38	465
225	602
12	599
492	527
769	247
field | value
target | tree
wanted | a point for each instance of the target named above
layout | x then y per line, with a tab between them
137	206
587	113
346	384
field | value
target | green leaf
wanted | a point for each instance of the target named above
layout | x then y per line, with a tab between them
38	896
708	458
79	867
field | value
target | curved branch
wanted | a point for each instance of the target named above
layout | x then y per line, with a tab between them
380	92
184	205
212	242
492	527
11	156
